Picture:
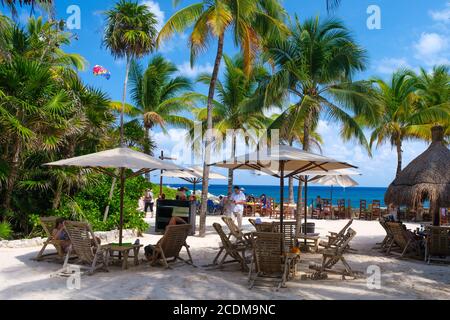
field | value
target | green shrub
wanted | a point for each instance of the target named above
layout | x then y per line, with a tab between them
90	203
5	230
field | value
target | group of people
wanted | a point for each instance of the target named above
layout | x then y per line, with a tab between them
234	204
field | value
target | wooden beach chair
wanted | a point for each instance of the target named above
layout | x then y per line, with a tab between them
406	240
170	245
244	238
388	241
268	265
327	209
438	244
263	226
376	210
331	256
334	238
341	213
363	210
87	247
289	232
48	224
234	250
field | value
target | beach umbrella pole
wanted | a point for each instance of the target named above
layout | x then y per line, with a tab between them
281	199
306	207
122	191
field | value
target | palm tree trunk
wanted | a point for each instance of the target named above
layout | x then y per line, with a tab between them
399	157
291	183
306	146
111	193
209	138
147	148
124	97
291	189
298	218
12	174
58	194
231	171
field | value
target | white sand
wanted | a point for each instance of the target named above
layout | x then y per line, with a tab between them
23	278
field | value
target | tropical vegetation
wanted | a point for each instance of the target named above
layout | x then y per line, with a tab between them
288	76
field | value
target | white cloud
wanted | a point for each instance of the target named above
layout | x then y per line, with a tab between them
431	48
169	45
159	14
186	70
441	15
376	171
390	65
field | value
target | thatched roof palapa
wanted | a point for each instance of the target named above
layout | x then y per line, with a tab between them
426	178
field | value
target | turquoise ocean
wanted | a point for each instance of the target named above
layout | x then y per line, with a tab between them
354	194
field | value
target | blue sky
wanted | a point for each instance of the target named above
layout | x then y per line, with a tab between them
411	35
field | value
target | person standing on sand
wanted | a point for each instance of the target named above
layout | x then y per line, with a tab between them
148	201
238	199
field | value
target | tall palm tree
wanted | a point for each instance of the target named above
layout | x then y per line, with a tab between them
433	89
12	4
402	114
249	21
32	113
34	108
316	64
234	107
130	33
159	95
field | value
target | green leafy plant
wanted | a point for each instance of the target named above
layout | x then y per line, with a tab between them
5	230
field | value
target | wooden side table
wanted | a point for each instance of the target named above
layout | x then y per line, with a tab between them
312	241
123	254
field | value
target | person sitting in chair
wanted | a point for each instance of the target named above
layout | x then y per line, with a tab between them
59	233
148	250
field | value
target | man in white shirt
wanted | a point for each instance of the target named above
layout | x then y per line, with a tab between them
238	199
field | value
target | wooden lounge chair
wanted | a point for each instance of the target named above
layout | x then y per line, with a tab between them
85	244
376	210
263	226
268	264
388	240
327	212
48	224
170	245
363	210
244	238
406	240
334	238
331	256
289	232
438	244
234	250
341	214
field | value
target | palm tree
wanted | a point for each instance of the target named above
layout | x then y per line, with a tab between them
316	64
433	90
250	22
32	113
234	106
11	4
404	114
159	96
34	108
130	33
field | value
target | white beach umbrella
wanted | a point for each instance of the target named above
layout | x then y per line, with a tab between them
283	161
192	175
121	158
336	180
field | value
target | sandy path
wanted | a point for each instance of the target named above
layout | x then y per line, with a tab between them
23	278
